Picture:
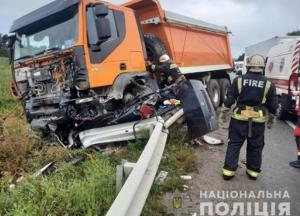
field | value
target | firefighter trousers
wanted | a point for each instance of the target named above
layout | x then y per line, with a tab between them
238	133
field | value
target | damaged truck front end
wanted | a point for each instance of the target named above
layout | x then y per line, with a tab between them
47	64
52	59
81	64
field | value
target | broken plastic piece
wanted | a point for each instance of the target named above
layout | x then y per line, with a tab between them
185	187
161	177
212	141
44	169
186	177
77	161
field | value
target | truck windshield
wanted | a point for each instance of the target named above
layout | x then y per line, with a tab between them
54	33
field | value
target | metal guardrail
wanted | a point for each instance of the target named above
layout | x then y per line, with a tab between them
115	133
132	197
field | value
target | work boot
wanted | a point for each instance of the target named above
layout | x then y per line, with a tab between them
228	174
251	177
295	164
227	178
252	174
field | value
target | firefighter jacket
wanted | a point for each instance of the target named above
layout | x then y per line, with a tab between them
168	70
253	94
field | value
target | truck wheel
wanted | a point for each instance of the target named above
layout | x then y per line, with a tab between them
224	85
154	47
214	91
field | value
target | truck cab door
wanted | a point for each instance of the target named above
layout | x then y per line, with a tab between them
114	44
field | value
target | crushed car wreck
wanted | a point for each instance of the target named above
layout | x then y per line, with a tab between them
80	64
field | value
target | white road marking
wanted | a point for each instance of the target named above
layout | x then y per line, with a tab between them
291	124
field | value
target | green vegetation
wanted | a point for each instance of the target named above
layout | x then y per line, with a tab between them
293	33
84	189
88	190
6	101
3	51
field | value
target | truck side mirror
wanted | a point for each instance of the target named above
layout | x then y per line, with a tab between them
101	10
99	29
103	29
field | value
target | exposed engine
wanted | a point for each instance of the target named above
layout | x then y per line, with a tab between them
53	103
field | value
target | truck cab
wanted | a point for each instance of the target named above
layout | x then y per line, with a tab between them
77	64
73	60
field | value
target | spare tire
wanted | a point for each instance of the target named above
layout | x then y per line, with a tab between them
154	47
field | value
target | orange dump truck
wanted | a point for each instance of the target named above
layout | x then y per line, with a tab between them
77	61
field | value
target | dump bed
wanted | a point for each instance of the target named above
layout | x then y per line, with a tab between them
196	46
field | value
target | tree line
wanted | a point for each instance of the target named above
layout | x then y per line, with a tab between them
3	51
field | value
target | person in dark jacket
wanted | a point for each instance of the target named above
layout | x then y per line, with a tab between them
173	76
253	95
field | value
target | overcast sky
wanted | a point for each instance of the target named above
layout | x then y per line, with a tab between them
250	21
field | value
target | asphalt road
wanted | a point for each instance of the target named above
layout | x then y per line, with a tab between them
277	176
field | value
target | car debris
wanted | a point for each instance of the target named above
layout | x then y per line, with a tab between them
212	141
161	177
186	177
77	161
186	187
45	170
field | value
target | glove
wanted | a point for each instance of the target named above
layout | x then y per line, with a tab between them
172	102
223	114
271	121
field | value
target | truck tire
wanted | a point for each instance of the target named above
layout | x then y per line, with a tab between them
154	47
214	91
224	85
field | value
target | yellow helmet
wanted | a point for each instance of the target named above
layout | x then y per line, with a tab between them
256	63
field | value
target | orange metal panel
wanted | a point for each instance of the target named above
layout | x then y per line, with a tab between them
187	46
195	47
130	52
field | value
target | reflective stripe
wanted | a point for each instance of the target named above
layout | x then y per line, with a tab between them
227	172
253	173
261	119
172	66
267	88
240	84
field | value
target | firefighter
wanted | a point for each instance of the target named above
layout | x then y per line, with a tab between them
253	94
168	69
296	163
173	76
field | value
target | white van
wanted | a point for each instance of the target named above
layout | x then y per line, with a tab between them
283	69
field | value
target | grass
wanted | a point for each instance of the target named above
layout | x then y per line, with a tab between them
6	101
85	189
88	190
